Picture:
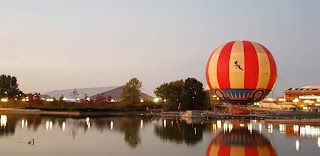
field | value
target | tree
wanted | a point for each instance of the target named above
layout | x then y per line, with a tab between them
9	86
109	98
131	93
193	96
189	93
100	100
74	94
171	92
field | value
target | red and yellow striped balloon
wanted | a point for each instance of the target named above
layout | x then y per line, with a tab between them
241	72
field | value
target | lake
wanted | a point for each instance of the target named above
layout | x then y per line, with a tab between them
34	135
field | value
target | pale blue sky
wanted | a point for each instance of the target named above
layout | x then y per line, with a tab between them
62	44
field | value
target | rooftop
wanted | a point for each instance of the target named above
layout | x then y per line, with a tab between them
68	93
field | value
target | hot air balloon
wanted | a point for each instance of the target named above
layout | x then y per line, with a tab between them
240	141
241	72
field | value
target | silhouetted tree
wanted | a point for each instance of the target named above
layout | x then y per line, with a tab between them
189	93
9	86
131	93
100	100
193	95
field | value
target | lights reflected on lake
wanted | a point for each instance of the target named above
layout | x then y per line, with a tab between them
3	121
144	135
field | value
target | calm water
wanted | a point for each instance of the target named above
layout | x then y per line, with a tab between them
152	136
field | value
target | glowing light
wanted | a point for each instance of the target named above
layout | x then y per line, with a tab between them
250	128
214	96
308	101
296	100
305	108
88	99
195	130
88	122
310	131
309	97
3	120
22	123
165	100
318	100
219	124
214	127
47	125
164	123
241	125
270	99
260	127
64	99
141	123
282	128
26	123
112	100
297	145
156	99
23	99
4	100
111	125
270	128
230	127
318	141
281	99
141	100
295	128
50	124
225	127
63	126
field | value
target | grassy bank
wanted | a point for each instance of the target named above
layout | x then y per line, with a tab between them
78	107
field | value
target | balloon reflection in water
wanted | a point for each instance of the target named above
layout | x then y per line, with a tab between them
239	141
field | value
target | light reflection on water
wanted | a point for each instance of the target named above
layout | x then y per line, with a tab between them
152	136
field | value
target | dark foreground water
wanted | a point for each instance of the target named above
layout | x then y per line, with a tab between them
52	136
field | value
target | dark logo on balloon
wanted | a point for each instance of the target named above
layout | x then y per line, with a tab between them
238	66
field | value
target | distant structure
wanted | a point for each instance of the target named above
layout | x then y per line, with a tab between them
110	93
304	97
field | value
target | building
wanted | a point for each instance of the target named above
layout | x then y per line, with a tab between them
110	93
303	97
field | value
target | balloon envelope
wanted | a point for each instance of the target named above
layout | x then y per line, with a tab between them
241	72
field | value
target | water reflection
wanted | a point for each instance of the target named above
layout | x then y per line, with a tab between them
180	131
130	128
132	131
3	120
8	126
238	138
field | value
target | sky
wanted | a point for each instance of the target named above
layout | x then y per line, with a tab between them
64	44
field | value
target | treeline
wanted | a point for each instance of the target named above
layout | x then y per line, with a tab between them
181	94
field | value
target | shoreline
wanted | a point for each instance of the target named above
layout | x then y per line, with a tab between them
289	118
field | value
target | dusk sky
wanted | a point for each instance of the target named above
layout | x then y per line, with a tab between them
62	44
